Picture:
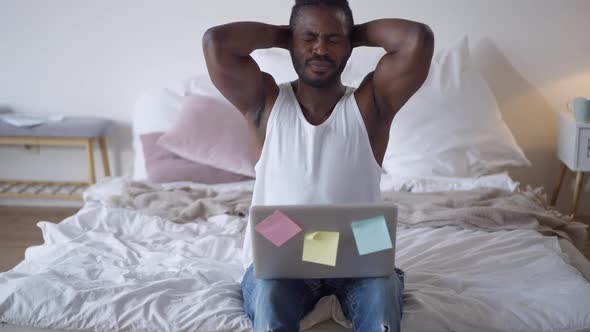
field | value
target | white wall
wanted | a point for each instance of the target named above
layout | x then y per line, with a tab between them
94	58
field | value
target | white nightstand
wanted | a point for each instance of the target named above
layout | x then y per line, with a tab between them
574	153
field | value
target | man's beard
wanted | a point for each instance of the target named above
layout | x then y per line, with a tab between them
317	83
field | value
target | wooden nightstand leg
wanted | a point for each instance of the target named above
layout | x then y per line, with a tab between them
579	181
90	157
105	156
558	187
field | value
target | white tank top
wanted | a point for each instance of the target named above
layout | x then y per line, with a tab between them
306	164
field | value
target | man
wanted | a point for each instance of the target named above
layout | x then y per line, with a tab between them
320	142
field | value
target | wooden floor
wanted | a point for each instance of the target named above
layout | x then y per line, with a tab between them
18	231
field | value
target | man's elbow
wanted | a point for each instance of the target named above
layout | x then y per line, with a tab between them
426	32
421	48
213	38
423	38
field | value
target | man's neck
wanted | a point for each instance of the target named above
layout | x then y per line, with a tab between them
318	103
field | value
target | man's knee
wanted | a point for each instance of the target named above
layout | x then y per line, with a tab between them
276	290
385	286
386	293
278	306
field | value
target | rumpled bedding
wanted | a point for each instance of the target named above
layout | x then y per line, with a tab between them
125	268
488	209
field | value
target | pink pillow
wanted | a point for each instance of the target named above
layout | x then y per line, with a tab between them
164	166
212	132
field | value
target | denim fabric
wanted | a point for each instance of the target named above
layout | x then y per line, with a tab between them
372	304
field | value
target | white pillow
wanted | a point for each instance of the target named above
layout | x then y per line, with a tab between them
157	110
452	126
154	111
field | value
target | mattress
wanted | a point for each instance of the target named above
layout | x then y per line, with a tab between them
110	268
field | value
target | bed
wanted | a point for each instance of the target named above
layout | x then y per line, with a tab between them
121	268
480	253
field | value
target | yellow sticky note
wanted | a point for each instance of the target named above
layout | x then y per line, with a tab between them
321	247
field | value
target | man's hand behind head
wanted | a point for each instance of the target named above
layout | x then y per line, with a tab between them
285	37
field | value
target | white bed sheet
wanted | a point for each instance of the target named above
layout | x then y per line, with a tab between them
110	269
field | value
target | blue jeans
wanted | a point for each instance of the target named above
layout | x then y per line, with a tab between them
277	305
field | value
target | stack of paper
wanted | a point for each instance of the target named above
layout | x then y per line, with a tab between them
22	119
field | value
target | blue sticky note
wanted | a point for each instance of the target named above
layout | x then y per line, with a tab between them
371	235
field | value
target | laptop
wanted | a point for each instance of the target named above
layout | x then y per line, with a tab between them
323	241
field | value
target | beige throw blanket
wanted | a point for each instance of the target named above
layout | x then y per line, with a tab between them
488	209
181	205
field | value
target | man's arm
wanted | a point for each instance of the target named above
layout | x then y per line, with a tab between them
401	72
234	72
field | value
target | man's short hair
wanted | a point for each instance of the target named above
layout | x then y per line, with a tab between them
340	4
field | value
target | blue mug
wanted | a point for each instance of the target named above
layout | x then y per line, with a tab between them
581	109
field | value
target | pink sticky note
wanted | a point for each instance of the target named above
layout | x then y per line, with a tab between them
278	228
